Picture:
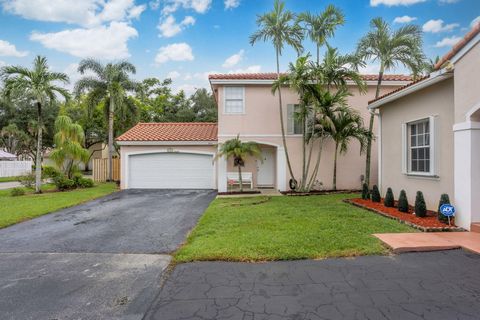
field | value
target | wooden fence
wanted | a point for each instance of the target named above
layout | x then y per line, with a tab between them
100	169
15	168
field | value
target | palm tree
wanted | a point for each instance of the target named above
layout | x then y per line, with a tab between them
322	26
347	126
69	140
40	85
110	83
239	151
280	27
390	48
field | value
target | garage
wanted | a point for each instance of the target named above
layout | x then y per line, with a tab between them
171	171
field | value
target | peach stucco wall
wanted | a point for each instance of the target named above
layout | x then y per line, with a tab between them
260	123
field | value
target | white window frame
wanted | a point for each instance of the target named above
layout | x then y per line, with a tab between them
406	148
225	100
291	120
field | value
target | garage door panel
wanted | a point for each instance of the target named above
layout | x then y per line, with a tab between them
171	171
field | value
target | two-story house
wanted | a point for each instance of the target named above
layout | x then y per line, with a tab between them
183	155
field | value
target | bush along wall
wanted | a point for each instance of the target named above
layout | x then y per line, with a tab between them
365	192
403	202
444	199
389	200
420	205
376	194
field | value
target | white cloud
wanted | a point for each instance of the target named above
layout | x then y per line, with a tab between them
231	4
475	21
447	42
189	89
250	69
174	52
173	75
170	6
2	63
87	13
8	49
404	19
436	26
169	27
233	60
103	42
448	1
391	3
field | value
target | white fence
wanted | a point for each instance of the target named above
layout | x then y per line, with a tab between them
15	168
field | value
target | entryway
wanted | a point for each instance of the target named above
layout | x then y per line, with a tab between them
266	169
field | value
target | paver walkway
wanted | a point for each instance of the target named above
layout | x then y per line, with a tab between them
431	241
431	285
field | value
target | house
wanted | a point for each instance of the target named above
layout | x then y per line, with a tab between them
181	155
430	133
7	156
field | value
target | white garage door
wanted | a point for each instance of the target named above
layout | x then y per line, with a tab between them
171	171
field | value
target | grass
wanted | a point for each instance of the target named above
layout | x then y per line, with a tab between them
21	208
8	179
285	228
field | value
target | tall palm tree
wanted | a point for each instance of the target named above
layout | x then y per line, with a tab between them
239	151
280	27
41	85
390	48
347	126
110	83
322	26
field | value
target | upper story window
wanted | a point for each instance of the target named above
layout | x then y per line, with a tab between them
294	125
419	147
234	100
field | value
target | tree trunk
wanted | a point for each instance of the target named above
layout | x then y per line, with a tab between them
282	125
110	139
317	165
335	168
304	154
240	177
38	160
370	130
318	54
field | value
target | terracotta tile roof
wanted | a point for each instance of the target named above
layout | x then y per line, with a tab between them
456	48
171	131
399	89
273	76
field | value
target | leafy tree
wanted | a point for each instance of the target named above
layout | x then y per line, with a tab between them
14	140
69	150
390	48
376	194
402	202
322	26
39	84
204	106
389	200
110	84
239	151
279	27
420	205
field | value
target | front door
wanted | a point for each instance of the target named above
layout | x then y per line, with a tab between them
266	169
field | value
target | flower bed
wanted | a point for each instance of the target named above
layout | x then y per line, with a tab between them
429	223
317	192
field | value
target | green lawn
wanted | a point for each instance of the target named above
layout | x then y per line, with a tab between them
17	209
284	228
8	179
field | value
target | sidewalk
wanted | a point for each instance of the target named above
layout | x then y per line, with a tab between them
9	185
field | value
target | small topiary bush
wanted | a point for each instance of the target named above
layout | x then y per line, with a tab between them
63	183
389	200
402	202
376	194
420	206
49	172
85	183
15	192
444	199
365	192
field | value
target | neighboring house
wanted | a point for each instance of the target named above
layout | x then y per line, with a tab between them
181	155
5	156
430	133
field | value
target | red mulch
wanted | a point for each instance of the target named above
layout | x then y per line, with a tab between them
430	221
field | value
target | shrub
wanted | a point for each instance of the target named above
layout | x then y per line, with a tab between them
365	192
402	202
15	192
420	206
63	183
389	200
444	199
49	172
27	181
85	183
376	194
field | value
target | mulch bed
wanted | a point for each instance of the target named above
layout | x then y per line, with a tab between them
318	192
238	192
429	223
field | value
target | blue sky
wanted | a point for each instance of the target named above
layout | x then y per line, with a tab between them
187	39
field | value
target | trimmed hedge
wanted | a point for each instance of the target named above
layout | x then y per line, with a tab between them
376	194
389	200
420	205
365	192
402	202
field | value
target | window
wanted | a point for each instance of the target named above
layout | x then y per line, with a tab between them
419	147
294	126
234	100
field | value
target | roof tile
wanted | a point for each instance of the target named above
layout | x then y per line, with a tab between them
171	131
273	76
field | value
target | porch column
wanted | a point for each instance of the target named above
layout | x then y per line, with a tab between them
281	169
467	173
222	174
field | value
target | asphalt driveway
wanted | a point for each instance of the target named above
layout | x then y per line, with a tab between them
130	221
101	260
